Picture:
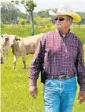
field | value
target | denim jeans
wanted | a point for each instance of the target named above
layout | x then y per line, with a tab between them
59	95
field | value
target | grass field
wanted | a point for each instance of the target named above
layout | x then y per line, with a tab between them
14	92
25	30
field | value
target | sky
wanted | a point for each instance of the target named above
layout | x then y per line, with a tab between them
75	5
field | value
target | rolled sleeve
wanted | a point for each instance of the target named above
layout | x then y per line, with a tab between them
81	67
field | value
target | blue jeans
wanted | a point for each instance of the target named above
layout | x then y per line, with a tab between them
59	95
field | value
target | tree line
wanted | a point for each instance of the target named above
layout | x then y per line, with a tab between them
10	14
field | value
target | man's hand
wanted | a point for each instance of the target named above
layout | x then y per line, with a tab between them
33	91
81	97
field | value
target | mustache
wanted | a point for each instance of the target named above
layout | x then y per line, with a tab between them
58	23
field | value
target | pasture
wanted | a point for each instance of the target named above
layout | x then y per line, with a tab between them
15	95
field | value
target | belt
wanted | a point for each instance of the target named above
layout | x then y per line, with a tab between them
59	77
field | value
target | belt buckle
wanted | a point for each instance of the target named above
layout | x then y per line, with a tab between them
52	77
61	77
67	77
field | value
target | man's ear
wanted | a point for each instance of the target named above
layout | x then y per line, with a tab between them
71	21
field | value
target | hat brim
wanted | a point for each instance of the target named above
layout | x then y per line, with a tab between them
76	17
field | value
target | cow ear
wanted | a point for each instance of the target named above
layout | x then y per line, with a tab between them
17	38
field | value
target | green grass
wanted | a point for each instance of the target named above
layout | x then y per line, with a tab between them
79	31
25	30
15	90
18	30
15	94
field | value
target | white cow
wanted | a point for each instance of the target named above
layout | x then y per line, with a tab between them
24	46
1	51
5	43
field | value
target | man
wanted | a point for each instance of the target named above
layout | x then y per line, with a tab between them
59	52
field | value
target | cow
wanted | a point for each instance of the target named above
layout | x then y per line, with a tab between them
5	43
24	46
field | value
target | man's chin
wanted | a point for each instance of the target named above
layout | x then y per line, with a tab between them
58	26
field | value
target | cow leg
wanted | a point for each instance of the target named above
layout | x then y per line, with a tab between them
15	61
4	57
24	61
5	54
1	60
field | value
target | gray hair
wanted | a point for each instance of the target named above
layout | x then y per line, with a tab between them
69	17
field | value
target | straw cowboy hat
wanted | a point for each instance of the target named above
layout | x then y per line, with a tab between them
65	10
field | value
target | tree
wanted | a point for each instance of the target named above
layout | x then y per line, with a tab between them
44	13
10	13
29	6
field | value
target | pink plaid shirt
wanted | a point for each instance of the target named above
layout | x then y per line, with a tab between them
59	55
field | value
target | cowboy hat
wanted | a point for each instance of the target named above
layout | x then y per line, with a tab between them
63	10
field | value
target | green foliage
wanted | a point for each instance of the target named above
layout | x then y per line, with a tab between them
43	29
82	14
25	30
30	7
17	29
79	30
30	4
44	13
9	13
42	21
22	21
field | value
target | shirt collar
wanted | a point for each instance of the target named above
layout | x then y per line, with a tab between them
61	34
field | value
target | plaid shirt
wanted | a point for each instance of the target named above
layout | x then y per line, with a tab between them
59	55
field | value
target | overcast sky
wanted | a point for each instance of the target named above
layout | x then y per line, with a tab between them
76	5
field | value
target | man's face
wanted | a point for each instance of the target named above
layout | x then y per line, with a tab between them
63	22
